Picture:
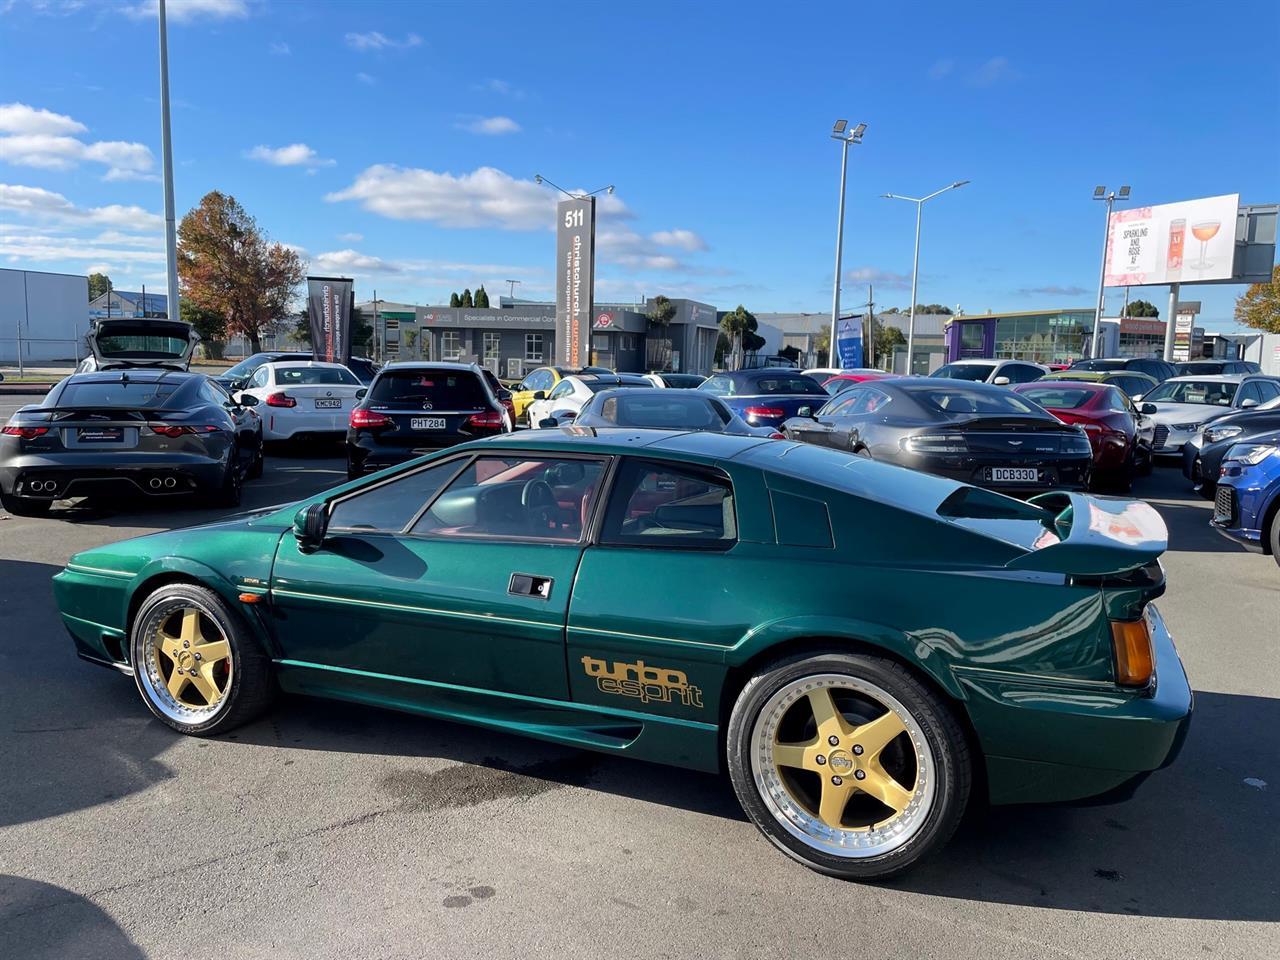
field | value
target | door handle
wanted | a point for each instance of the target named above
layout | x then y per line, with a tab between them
530	585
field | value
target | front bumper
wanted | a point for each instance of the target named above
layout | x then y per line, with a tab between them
61	475
1048	741
1239	506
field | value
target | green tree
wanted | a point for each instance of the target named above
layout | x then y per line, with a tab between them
466	299
933	308
455	300
410	338
661	312
211	325
1141	308
884	338
227	264
723	348
822	348
740	326
482	298
99	283
791	353
1259	306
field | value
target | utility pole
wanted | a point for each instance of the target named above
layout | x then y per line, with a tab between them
1100	193
166	145
513	283
869	342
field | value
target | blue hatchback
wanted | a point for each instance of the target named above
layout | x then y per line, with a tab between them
1246	506
766	397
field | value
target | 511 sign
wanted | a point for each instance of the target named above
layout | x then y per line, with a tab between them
575	280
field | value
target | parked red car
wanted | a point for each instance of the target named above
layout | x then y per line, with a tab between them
843	381
1121	437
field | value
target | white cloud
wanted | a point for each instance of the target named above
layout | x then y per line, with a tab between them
294	155
44	204
40	138
992	72
489	126
351	237
374	41
486	197
184	11
351	261
280	48
98	268
679	239
883	278
42	248
22	119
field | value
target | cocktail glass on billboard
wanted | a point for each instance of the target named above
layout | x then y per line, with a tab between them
1204	232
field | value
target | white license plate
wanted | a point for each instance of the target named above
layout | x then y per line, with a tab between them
328	404
1014	475
427	423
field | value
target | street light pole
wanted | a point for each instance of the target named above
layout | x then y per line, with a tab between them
915	264
838	133
1100	193
174	310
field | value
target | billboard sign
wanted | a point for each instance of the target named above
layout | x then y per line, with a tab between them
1189	242
329	311
849	342
1182	337
575	279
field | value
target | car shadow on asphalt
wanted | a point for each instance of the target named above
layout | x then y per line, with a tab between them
40	920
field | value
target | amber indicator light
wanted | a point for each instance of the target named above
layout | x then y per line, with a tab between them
1132	642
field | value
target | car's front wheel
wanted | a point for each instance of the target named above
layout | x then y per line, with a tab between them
848	763
195	662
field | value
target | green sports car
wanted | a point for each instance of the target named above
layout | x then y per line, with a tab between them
863	649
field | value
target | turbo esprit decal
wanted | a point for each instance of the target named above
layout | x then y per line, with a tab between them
643	682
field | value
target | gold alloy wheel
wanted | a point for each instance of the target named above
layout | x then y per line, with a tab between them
842	765
188	662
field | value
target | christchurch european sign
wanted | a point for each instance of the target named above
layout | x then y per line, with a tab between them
575	280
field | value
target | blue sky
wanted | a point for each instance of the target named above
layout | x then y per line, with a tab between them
397	142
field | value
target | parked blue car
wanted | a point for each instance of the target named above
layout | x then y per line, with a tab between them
766	397
1246	506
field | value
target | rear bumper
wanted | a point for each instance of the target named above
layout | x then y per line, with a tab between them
1046	741
80	474
367	455
1052	474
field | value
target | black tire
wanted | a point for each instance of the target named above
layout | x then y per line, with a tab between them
24	506
353	472
941	811
1273	535
250	688
258	464
228	493
1146	464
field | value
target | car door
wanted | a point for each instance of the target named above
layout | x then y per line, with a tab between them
457	573
823	428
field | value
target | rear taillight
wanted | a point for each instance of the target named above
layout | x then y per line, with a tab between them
487	421
1131	640
368	419
765	412
180	429
281	400
777	436
26	433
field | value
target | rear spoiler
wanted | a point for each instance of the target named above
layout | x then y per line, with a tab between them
1094	536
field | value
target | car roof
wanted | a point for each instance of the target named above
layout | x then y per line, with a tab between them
1092	386
970	360
607	378
1214	378
303	363
429	365
136	374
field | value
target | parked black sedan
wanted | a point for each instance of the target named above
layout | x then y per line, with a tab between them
1203	455
416	408
666	409
767	396
974	432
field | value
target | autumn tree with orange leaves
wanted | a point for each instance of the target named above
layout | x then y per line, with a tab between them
228	265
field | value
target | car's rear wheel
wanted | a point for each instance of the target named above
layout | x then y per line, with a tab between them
1273	534
231	488
258	463
848	763
24	506
195	663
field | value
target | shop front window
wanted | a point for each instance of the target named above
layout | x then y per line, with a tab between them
450	345
533	347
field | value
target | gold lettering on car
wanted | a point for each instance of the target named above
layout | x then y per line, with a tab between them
645	683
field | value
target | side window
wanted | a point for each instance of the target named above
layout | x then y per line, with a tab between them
1248	391
213	393
844	403
670	506
720	386
516	497
260	377
388	507
1021	373
1269	389
1117	402
563	389
546	380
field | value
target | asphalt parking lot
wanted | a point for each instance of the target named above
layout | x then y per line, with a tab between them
331	830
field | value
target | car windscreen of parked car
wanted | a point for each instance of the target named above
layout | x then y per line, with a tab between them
1208	392
443	389
968	403
321	375
796	384
677	412
963	371
120	393
1061	398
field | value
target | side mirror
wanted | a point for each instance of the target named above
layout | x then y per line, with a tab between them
805	412
1246	404
1001	381
362	393
1148	408
309	526
540	395
246	399
548	423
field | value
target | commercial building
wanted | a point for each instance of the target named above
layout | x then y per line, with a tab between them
519	335
1042	336
126	303
805	331
42	316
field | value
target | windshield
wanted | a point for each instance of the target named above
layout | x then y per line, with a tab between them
1213	393
677	412
597	387
1099	364
964	371
443	389
783	384
304	375
1201	367
1062	398
960	403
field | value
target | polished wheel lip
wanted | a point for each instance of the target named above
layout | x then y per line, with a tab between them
846	843
151	677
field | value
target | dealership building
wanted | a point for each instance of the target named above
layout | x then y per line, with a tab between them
519	335
1042	336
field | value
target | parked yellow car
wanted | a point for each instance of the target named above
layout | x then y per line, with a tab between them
544	380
